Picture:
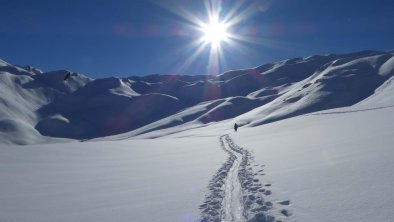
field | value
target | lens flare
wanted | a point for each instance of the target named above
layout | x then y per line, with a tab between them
218	29
215	32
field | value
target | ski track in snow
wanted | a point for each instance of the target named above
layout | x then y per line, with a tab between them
232	200
236	194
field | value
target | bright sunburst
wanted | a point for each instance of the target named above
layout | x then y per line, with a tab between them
215	32
220	25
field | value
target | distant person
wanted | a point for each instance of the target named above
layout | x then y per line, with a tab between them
235	127
68	74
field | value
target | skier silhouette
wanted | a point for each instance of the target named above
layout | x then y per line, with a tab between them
235	127
68	74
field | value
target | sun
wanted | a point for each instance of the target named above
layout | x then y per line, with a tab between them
217	30
215	33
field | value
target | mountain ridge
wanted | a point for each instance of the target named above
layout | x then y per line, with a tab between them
38	106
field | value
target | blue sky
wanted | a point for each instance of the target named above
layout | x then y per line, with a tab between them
136	37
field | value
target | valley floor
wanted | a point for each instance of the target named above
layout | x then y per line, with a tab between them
330	166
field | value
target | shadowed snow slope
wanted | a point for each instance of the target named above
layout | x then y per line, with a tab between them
33	103
22	92
286	89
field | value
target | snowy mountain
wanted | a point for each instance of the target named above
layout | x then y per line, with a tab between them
282	90
23	91
38	106
331	151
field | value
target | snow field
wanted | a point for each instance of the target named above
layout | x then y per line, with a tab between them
137	180
300	169
334	165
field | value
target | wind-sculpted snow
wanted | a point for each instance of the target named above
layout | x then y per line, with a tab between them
338	84
84	108
286	89
236	194
23	90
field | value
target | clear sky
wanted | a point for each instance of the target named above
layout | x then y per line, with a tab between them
138	37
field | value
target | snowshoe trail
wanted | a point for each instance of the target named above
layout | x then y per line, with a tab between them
235	192
232	205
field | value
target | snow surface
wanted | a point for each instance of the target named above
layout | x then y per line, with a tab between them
311	166
314	146
138	180
23	91
329	162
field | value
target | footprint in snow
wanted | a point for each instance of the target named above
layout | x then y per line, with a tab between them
286	202
285	212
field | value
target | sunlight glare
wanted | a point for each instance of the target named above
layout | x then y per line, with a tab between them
215	32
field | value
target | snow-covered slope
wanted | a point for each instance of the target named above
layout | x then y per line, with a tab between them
342	82
22	92
330	165
286	89
337	161
37	104
301	169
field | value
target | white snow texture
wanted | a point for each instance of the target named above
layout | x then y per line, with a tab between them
314	144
